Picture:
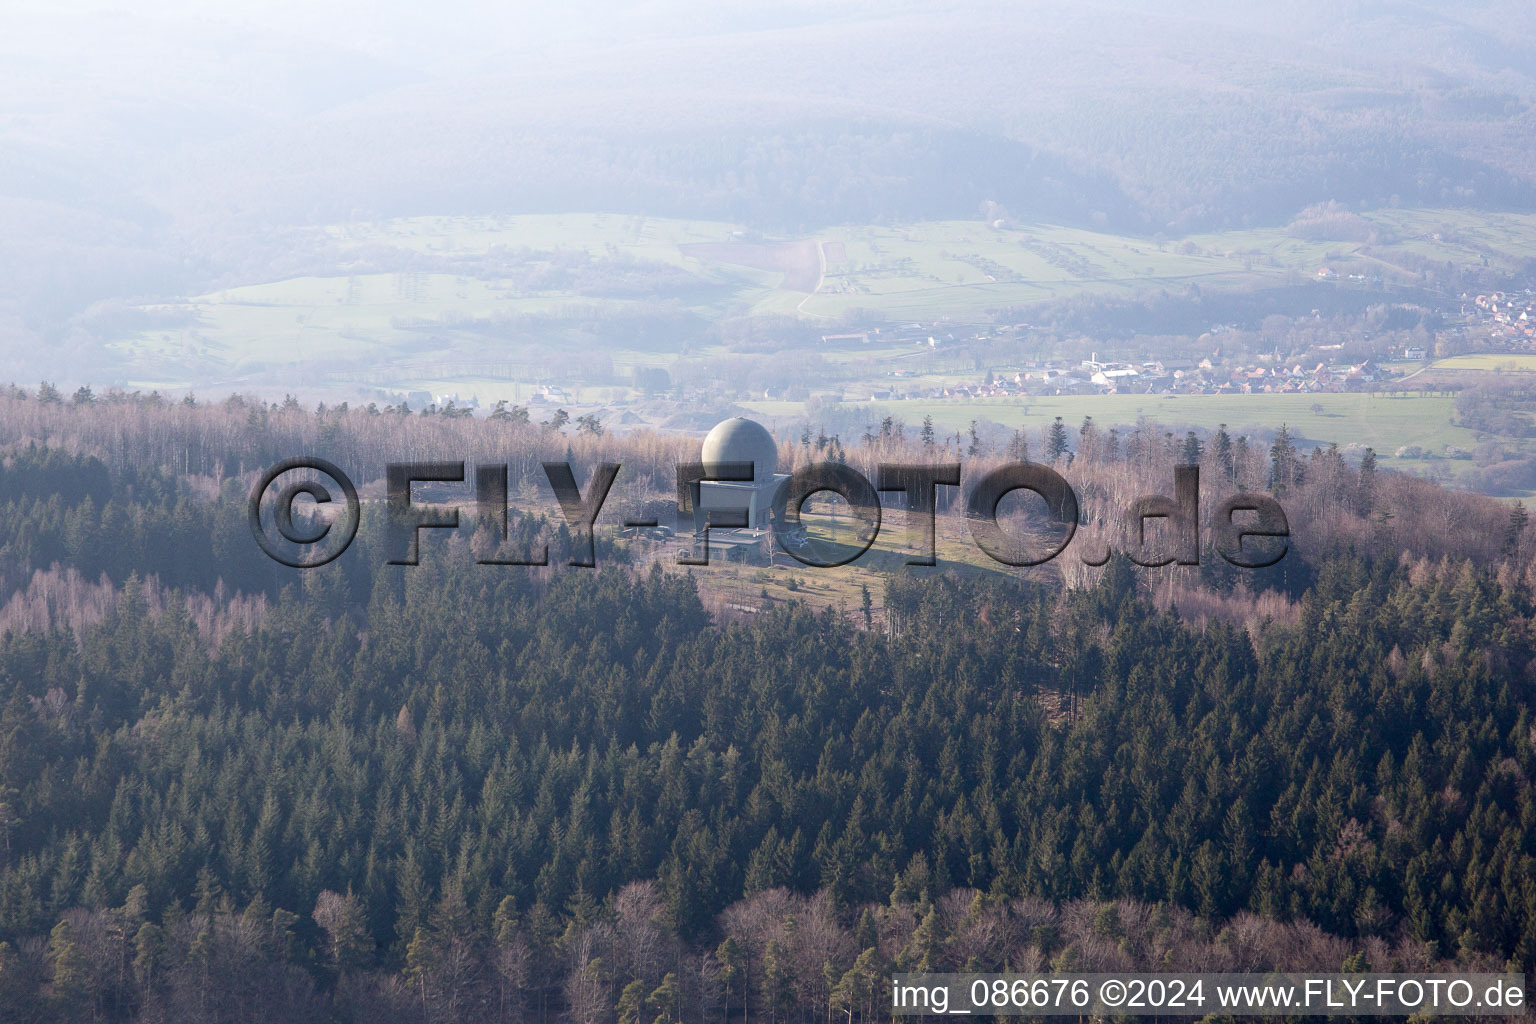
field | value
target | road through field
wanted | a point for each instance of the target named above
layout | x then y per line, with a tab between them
821	277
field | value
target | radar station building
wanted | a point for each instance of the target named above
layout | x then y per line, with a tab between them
742	441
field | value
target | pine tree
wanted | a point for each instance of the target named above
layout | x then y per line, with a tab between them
148	951
1221	449
504	921
70	971
1056	442
861	984
921	954
1518	517
733	970
1285	472
866	933
663	1000
778	980
1192	449
1365	500
926	435
631	1005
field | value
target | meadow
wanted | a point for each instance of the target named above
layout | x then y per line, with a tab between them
362	325
1382	422
1488	362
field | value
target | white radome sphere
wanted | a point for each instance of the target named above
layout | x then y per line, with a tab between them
742	440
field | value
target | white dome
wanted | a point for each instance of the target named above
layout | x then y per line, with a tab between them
742	440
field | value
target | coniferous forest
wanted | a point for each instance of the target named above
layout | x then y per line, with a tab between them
458	792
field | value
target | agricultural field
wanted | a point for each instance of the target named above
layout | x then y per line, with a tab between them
1382	422
1505	240
402	297
966	268
1487	362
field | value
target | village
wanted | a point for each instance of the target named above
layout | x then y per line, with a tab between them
1213	374
1506	320
939	361
1210	376
1497	322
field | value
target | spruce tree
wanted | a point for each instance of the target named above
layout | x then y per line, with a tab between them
1192	449
1221	448
1284	469
1056	441
1518	517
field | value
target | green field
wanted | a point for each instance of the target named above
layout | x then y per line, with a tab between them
1488	362
1382	422
965	268
362	326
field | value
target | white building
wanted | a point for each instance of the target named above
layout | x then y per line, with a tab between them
740	440
1111	378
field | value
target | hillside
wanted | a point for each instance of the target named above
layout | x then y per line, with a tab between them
377	297
493	793
1139	119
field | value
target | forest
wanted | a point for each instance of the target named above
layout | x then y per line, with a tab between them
456	792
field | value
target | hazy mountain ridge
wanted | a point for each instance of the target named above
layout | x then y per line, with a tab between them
189	145
1217	128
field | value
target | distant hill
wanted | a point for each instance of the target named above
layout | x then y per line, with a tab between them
194	145
1137	118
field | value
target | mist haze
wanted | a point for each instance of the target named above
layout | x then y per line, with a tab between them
155	151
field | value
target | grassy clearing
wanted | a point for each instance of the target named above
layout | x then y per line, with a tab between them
745	586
